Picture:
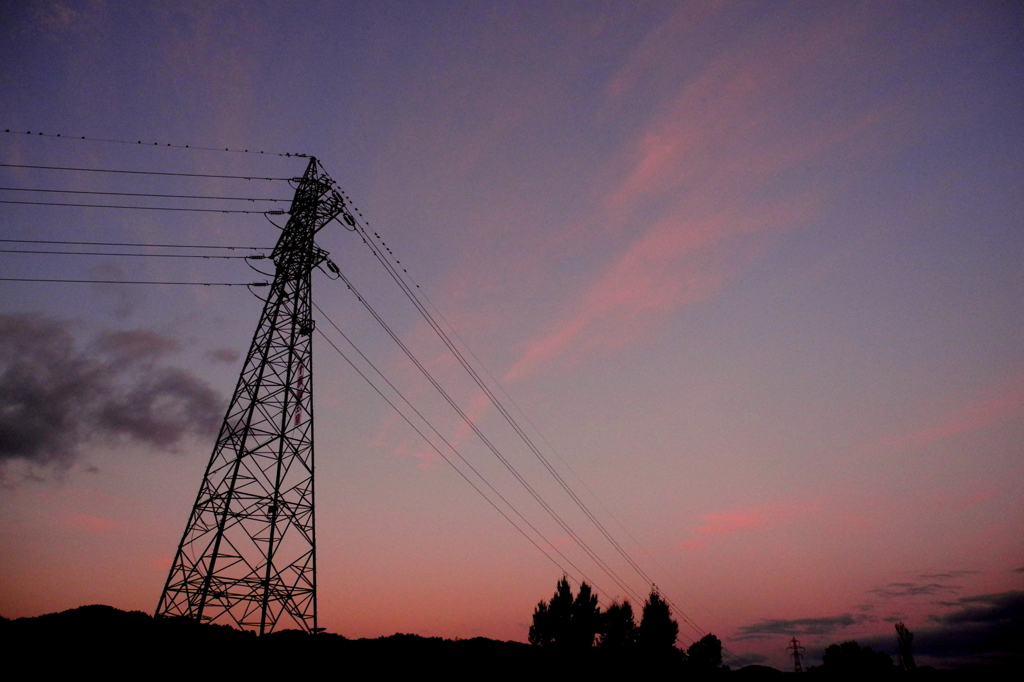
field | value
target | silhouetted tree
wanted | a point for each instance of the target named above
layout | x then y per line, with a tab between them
565	622
852	660
551	619
618	627
904	638
540	630
658	630
705	655
586	619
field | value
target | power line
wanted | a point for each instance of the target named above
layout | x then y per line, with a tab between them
136	172
566	464
135	194
443	456
154	144
161	246
136	255
118	281
443	439
497	403
608	570
410	294
140	208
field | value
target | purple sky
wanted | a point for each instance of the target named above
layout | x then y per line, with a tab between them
755	271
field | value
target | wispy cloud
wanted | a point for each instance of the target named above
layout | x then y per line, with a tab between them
971	417
1003	403
695	187
896	590
90	523
798	626
946	575
732	521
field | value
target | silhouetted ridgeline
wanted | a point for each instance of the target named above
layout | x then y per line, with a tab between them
108	641
105	639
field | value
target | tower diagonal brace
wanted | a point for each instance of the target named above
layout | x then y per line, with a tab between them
247	557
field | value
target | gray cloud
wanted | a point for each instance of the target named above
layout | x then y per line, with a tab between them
740	660
894	590
56	397
985	608
226	355
983	629
948	575
798	626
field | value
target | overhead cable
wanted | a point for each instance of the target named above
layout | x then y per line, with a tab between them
497	403
137	194
608	570
445	457
129	172
136	255
138	172
411	295
444	440
160	246
142	208
118	281
153	144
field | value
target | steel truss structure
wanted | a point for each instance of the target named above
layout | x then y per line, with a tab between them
248	554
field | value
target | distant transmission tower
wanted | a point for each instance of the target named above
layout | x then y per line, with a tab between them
797	654
248	554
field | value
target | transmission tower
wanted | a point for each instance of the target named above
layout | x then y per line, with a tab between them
248	554
797	654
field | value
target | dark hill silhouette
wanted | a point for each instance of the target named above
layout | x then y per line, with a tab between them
758	672
107	640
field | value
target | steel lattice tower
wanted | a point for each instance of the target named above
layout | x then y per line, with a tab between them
797	653
248	554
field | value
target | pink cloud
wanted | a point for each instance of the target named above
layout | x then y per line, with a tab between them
679	261
973	416
163	562
89	523
648	59
474	412
695	181
732	521
966	502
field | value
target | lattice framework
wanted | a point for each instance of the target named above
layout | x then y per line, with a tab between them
248	554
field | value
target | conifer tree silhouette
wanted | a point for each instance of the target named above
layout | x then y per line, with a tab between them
551	619
567	623
586	619
658	630
618	627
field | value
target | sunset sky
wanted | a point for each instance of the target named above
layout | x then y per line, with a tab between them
751	273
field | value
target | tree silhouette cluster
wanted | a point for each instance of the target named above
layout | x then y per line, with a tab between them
850	660
575	627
